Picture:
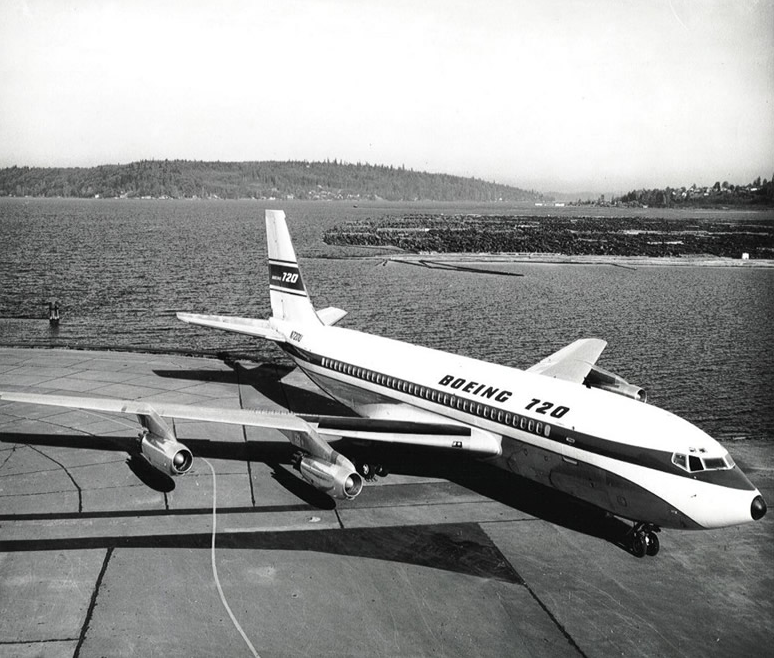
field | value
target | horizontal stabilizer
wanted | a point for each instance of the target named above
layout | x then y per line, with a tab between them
331	315
573	362
248	326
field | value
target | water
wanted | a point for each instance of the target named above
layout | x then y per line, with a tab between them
697	338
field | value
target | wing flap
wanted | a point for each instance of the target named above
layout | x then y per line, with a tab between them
249	326
430	435
573	362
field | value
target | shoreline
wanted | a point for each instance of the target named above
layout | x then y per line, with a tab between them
630	262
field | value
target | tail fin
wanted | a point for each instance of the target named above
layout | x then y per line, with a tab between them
289	298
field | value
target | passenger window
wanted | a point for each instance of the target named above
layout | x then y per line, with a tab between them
547	431
531	426
539	428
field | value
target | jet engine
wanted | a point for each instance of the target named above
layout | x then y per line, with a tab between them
608	381
160	447
333	479
170	457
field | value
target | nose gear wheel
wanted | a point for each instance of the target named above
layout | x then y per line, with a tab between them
643	540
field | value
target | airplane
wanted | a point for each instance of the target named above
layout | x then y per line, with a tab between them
565	423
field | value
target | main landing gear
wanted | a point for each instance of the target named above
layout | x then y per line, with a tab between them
643	540
371	471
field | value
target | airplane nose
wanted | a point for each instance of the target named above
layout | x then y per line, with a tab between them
758	508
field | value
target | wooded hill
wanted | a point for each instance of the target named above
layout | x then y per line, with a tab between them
757	193
259	180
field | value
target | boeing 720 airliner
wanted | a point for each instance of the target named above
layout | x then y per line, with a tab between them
565	422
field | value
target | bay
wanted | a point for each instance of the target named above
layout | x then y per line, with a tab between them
697	338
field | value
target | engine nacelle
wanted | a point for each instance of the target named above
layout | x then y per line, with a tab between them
334	479
608	381
160	447
170	457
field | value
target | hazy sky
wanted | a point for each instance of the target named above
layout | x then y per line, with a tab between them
546	94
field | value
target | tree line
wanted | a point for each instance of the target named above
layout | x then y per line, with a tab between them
257	180
756	193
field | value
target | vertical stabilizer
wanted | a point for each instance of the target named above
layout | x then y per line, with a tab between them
289	298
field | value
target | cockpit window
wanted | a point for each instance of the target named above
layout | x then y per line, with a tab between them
695	464
679	460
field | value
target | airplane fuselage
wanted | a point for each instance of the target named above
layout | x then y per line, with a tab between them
617	453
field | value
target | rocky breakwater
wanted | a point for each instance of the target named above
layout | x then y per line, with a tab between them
593	236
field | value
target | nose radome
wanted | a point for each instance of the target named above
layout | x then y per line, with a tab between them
758	508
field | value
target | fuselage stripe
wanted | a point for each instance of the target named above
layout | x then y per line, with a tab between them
288	291
638	455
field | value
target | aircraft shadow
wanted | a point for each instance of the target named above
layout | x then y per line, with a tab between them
200	375
462	548
250	451
266	379
495	484
498	485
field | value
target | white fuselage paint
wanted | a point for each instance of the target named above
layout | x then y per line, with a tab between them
627	486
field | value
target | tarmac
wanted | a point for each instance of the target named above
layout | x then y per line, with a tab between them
100	555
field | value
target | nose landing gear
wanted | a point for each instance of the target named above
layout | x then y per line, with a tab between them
643	540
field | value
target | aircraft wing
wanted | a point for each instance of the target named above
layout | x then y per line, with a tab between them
267	419
316	429
249	326
573	362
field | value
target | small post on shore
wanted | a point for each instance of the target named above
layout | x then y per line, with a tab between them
53	313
